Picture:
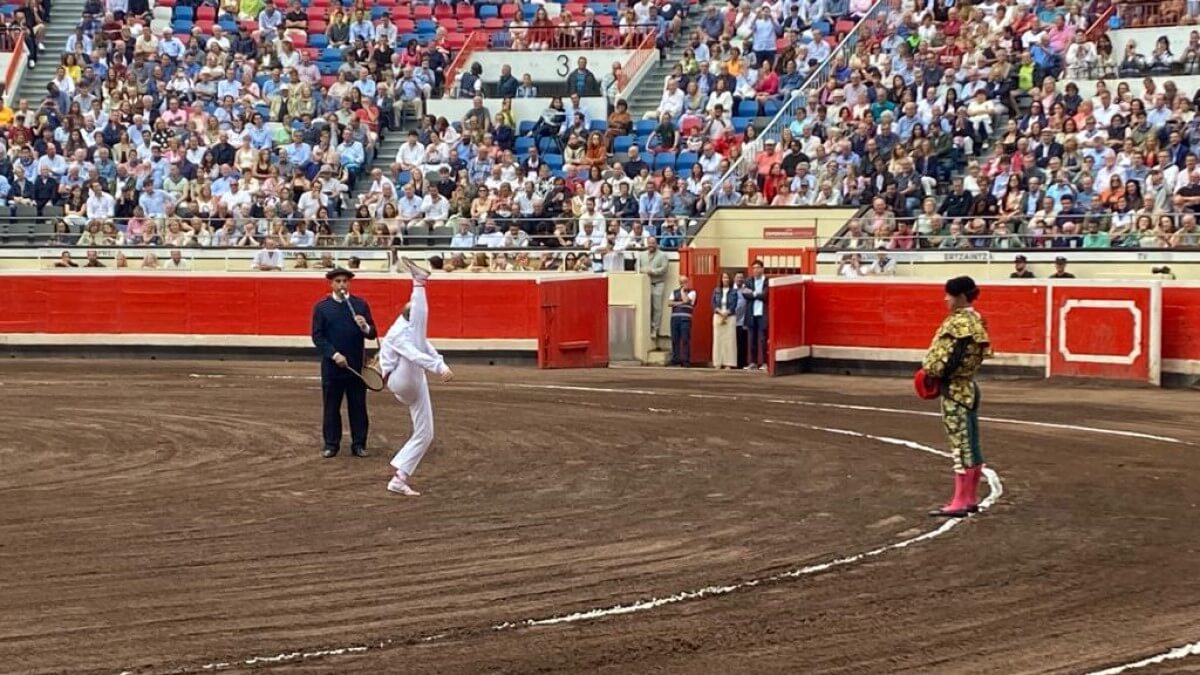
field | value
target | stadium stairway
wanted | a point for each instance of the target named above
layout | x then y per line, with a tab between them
647	95
63	20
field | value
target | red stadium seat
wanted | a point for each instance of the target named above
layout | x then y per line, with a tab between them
318	3
316	26
494	24
575	8
442	11
316	12
449	23
508	11
843	26
205	27
455	41
312	52
471	24
464	11
405	25
328	80
300	40
168	3
205	12
402	11
422	12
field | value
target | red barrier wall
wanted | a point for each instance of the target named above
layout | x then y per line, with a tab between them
890	320
573	325
1181	324
904	315
462	308
786	300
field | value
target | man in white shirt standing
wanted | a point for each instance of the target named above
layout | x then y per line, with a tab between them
755	292
406	355
269	258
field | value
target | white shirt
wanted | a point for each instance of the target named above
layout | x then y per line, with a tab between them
435	209
267	259
101	206
410	154
403	344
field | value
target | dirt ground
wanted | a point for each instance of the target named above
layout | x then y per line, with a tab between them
164	516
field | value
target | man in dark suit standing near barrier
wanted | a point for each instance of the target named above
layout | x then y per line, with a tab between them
341	324
755	293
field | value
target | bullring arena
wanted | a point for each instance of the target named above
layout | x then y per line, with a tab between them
174	516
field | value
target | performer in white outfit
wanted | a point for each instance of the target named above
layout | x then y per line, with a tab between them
405	355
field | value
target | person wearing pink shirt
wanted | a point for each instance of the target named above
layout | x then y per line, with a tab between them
1060	35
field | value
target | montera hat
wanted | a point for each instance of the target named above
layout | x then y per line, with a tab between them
962	286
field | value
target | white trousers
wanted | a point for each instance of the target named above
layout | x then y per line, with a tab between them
410	387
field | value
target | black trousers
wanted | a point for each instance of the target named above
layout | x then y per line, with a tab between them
743	346
333	389
758	340
681	341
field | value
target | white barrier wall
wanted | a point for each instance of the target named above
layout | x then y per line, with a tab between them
530	109
1146	37
1186	84
547	66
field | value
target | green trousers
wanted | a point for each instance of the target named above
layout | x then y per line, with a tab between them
962	428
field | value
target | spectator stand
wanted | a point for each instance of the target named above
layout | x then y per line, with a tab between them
783	110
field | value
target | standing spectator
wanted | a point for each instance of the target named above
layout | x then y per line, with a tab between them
755	293
724	306
581	81
683	304
741	327
654	263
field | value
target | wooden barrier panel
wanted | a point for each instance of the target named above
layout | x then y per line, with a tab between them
565	316
893	321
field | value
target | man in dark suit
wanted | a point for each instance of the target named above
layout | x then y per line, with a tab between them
45	189
755	293
340	325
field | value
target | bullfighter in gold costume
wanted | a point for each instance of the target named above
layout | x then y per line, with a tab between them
959	349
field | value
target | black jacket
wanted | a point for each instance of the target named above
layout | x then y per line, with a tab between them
334	331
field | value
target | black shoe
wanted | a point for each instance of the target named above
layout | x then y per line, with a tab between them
358	451
329	452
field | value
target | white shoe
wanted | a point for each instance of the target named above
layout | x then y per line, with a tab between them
419	275
401	488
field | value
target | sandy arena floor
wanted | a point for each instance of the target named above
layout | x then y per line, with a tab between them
169	516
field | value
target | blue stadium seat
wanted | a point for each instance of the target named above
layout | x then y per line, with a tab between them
771	106
685	161
663	160
740	123
228	25
554	161
427	26
824	26
181	26
524	143
747	109
328	67
377	13
183	12
331	54
622	143
488	12
558	173
404	177
644	127
8	10
599	125
547	145
583	174
318	41
408	37
529	10
524	127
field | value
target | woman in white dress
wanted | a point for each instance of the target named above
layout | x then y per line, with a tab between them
724	343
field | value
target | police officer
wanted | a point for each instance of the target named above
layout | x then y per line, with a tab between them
341	323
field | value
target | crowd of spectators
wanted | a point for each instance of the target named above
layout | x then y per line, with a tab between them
232	135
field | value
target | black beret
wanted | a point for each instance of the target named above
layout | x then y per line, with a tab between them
339	272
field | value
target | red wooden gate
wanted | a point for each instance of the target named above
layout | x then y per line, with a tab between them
703	267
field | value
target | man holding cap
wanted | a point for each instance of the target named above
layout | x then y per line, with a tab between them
341	324
1020	269
959	348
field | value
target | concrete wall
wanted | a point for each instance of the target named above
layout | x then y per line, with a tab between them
547	66
1112	265
735	230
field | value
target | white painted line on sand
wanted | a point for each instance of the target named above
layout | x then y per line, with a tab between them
868	408
1177	653
995	487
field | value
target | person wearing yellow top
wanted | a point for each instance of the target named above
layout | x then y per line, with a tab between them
248	10
959	348
6	114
